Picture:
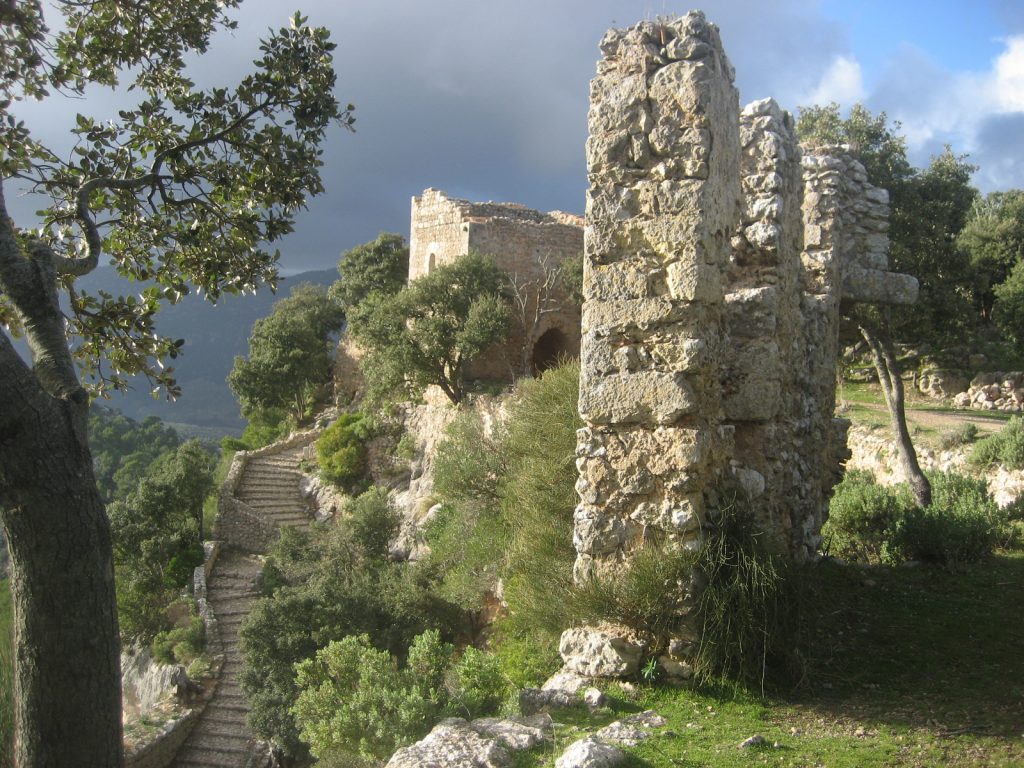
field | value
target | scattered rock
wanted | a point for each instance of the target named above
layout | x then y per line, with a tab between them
453	743
623	733
754	741
590	753
594	699
516	732
533	700
566	680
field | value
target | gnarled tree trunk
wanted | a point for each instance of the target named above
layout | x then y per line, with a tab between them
67	685
892	388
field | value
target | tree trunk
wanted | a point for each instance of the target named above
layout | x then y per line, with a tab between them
67	685
892	387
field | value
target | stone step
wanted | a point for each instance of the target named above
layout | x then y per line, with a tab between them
220	743
224	719
205	756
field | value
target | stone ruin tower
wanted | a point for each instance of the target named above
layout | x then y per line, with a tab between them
521	241
717	255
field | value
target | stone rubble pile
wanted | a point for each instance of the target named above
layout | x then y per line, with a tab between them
995	391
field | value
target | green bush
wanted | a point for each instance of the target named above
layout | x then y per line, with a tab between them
182	565
1005	448
182	644
527	659
862	516
477	686
965	434
326	584
341	451
354	699
962	525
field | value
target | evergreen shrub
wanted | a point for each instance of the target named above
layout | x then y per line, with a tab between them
341	451
1005	448
357	702
962	525
861	518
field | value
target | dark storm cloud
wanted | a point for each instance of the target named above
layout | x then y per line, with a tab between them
483	100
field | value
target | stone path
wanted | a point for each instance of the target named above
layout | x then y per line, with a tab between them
221	738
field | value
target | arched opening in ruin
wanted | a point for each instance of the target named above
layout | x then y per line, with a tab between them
431	261
549	348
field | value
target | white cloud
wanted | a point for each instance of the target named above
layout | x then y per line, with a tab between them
1008	76
842	83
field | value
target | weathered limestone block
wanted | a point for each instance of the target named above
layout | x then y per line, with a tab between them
599	652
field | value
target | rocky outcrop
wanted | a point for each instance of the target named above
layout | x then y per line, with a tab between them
875	451
483	743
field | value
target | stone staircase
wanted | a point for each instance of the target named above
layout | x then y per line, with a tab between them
269	484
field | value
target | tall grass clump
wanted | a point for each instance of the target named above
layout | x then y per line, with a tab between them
538	497
507	505
1005	448
748	611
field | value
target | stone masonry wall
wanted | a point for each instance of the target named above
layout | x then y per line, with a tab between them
519	238
718	256
664	201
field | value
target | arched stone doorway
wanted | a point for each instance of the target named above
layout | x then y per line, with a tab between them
549	348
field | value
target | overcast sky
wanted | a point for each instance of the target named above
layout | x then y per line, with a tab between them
488	100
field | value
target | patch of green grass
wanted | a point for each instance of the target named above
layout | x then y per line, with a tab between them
908	666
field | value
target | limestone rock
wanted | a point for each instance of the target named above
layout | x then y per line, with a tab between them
453	743
590	753
566	680
599	652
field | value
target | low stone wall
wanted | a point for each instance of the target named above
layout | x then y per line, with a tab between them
875	451
238	525
160	750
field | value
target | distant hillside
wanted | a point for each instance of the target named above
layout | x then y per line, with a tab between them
213	336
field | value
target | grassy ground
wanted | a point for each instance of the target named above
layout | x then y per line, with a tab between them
929	422
907	667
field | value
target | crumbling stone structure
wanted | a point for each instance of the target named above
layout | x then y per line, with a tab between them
717	256
526	244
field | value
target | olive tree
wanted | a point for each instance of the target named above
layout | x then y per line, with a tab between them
428	332
180	191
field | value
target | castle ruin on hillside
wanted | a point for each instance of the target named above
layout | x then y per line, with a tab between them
717	255
524	243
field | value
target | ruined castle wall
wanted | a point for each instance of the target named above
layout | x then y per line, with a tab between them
520	240
664	200
718	255
764	346
438	232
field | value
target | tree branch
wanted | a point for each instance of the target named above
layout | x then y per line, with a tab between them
30	282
